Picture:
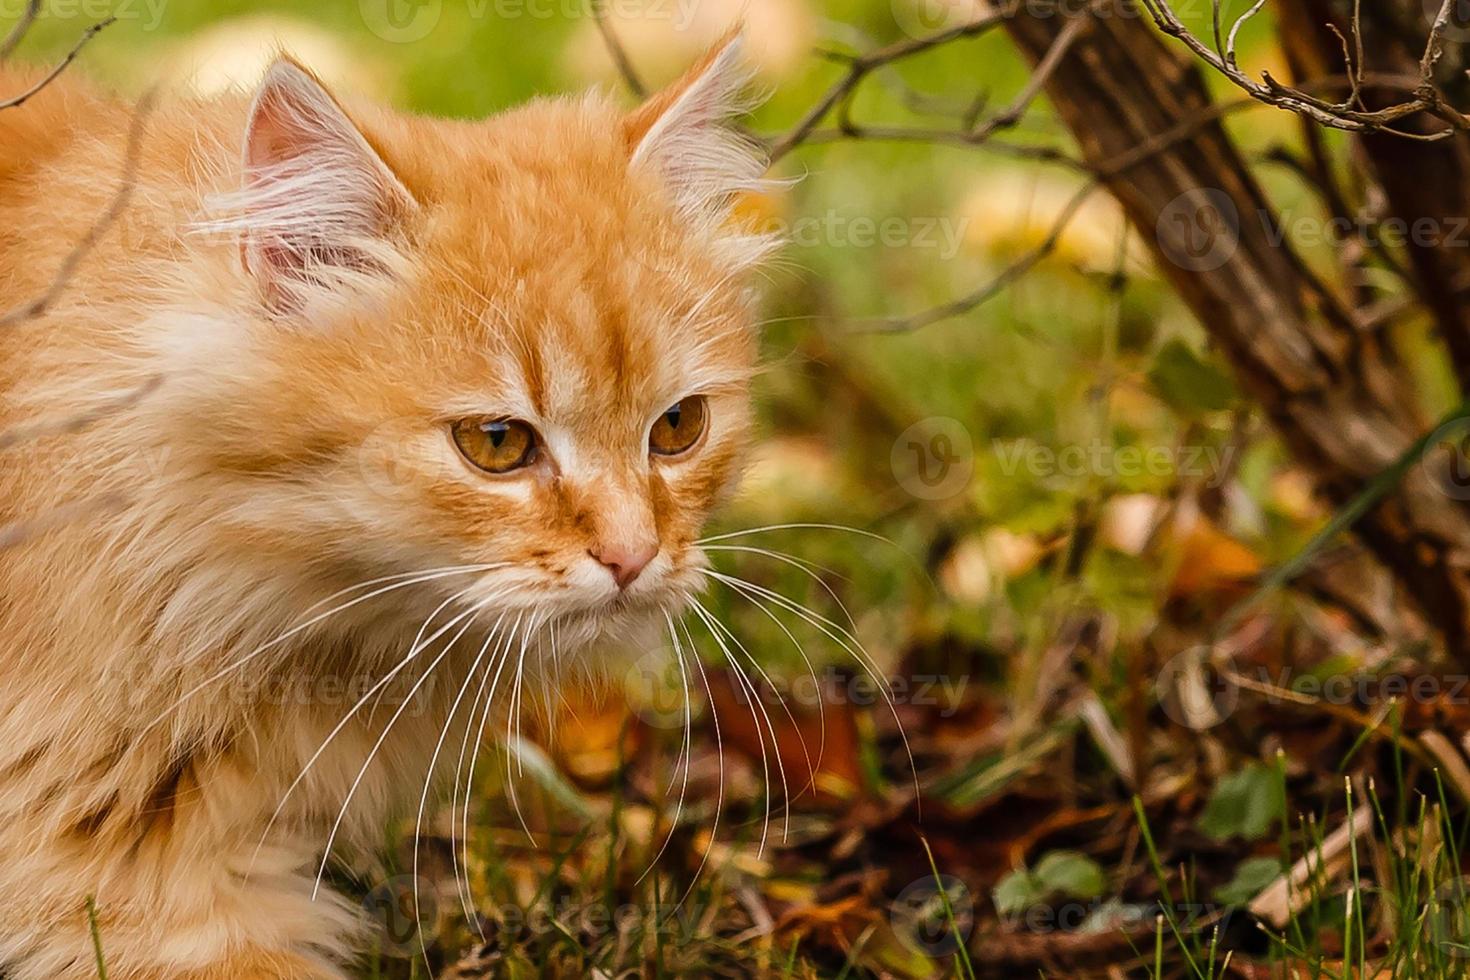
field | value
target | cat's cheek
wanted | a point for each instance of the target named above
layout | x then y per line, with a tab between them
698	485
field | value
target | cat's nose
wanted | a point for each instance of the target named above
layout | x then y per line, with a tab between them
625	559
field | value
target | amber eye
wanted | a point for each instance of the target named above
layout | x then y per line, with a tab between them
678	429
495	445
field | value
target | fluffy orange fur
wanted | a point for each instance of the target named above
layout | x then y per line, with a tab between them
278	527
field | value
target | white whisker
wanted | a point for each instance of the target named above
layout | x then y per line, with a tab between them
796	728
827	626
810	568
295	630
480	706
515	714
816	685
755	699
418	824
686	754
720	757
765	529
381	684
479	740
372	753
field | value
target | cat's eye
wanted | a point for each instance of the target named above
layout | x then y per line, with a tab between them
495	445
679	428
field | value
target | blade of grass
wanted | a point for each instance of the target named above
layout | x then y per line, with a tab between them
96	938
962	952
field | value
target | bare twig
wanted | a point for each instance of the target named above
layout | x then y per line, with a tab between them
61	66
21	28
616	50
1043	72
19	532
1434	47
943	137
82	420
859	67
1011	273
1269	91
129	179
1235	31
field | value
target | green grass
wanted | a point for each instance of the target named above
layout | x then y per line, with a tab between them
96	938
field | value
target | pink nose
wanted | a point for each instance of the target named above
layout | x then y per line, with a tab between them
626	560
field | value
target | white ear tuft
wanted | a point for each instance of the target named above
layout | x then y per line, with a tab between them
315	196
684	135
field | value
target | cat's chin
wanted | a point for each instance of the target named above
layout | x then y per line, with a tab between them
622	622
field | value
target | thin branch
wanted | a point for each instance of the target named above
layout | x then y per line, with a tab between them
1101	173
61	65
129	179
1434	47
1235	31
859	67
993	288
21	28
1042	74
82	420
974	133
616	50
19	532
1333	115
942	137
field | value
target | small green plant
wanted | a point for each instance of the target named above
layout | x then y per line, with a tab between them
96	938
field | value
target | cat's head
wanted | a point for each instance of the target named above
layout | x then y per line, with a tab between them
519	347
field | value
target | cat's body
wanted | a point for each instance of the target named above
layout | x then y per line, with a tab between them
274	351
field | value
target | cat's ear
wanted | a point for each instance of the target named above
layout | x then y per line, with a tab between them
684	134
315	194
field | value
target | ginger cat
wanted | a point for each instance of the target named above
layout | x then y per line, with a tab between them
426	412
